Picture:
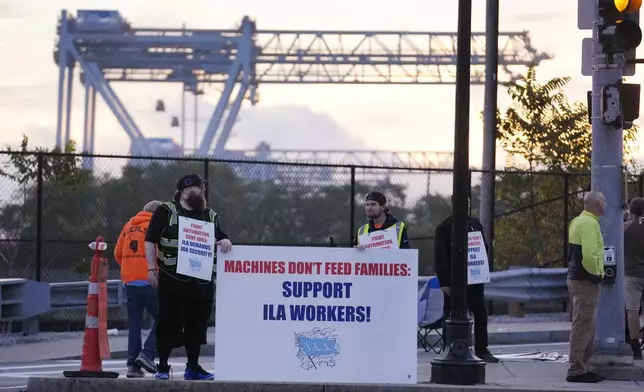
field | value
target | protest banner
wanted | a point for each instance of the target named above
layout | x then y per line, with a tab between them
380	239
478	268
196	248
307	314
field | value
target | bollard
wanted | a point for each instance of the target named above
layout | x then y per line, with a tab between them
95	342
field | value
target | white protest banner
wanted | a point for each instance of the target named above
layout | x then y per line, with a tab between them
478	268
196	248
380	239
307	314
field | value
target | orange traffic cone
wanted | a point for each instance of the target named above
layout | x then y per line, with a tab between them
95	342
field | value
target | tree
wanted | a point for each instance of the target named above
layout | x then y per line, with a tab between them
548	132
56	170
542	131
258	203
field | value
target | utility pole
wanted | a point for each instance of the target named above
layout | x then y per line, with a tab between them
458	365
607	58
488	193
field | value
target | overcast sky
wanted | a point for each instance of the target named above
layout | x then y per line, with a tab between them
288	116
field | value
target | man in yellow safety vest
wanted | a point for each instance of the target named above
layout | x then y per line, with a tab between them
380	218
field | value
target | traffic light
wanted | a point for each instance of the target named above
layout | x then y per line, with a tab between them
630	101
619	30
619	104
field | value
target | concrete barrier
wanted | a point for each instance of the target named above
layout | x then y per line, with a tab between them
37	384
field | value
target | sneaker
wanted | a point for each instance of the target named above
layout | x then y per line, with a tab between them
589	378
637	349
197	373
134	372
486	356
146	363
163	374
598	377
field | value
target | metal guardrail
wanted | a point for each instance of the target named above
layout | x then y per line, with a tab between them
516	285
524	285
23	299
73	295
528	285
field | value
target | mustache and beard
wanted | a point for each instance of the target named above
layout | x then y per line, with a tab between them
196	201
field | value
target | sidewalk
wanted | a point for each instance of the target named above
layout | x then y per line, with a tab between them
71	348
506	376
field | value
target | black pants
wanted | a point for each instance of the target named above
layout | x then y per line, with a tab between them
183	318
476	305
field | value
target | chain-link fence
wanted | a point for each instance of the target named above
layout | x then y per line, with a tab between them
53	205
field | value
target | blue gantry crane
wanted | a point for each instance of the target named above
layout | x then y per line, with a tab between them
106	48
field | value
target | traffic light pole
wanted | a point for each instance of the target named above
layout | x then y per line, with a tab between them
606	177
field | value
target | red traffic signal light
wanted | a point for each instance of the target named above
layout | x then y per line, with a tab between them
620	30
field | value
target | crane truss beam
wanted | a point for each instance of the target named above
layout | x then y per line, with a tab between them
401	159
309	57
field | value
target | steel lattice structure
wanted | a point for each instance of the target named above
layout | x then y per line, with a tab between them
407	159
108	49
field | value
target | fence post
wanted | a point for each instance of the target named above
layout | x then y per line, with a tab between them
206	164
469	192
39	187
566	217
352	205
640	180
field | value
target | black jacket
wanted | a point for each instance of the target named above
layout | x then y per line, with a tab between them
443	248
390	221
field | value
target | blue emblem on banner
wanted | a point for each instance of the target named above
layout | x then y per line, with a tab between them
316	348
195	265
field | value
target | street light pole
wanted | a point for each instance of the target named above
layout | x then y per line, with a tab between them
458	365
488	192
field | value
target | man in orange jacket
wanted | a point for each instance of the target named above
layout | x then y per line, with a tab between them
130	255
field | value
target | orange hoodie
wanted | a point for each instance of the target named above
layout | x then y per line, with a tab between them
130	248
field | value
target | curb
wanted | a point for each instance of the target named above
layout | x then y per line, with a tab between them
41	384
503	338
494	339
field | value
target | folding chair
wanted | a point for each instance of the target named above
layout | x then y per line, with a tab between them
430	316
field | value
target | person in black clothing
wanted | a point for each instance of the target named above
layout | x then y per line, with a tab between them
380	218
185	303
475	292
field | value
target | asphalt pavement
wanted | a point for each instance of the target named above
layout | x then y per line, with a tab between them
14	376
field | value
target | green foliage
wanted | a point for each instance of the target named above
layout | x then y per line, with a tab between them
79	205
542	131
58	168
548	132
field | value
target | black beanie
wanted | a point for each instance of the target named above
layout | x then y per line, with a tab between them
377	197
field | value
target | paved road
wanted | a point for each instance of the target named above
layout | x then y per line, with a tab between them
13	377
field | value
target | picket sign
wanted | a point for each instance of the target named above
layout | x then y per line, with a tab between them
309	314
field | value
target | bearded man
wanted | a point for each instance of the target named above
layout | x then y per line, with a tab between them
185	302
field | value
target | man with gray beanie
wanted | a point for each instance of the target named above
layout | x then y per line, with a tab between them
380	218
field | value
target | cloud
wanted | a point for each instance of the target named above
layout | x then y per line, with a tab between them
290	127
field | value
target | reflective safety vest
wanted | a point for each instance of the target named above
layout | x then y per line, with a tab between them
167	248
364	229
